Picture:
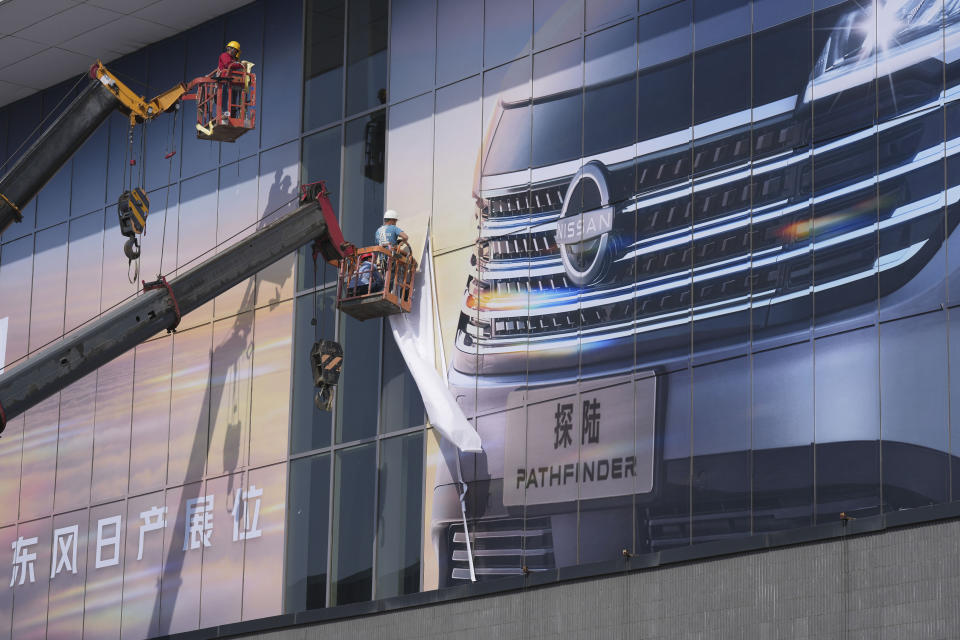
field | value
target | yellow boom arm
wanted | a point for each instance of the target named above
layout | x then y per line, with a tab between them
137	107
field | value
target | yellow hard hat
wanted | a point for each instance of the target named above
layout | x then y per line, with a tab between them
235	45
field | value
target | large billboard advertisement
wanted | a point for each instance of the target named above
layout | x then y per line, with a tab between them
709	286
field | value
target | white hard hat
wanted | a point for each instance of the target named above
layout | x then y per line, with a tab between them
390	214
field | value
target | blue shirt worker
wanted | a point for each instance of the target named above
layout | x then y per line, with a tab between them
389	234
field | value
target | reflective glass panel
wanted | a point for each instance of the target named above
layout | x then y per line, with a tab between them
556	21
151	415
281	73
75	444
69	568
315	318
507	29
913	411
16	271
30	610
38	470
400	401
111	439
229	384
457	127
459	39
782	422
358	392
143	562
263	553
278	195
399	515
364	155
307	534
49	286
104	586
189	405
83	269
270	408
367	38
323	75
353	525
847	419
183	554
221	579
321	161
413	35
602	11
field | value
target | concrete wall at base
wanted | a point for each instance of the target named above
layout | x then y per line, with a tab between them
897	584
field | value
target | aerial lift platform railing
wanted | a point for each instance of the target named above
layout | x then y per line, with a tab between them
389	286
226	103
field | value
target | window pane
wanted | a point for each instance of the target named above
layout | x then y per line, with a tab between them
402	406
311	426
357	393
847	421
601	11
508	29
281	73
190	405
914	404
412	51
399	519
556	21
111	428
83	269
49	286
459	39
321	161
16	272
307	534
323	75
353	525
75	444
366	54
782	426
363	159
558	104
270	409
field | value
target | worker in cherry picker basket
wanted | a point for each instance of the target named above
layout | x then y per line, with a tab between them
390	236
394	239
230	61
230	58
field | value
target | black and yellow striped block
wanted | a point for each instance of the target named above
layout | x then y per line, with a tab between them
132	208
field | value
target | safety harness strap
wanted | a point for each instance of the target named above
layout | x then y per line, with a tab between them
15	208
161	283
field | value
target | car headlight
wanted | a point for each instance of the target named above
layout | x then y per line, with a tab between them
879	39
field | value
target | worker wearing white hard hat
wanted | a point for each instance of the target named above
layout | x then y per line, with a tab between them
389	235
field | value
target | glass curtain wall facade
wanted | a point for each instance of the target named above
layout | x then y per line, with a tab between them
693	265
693	280
357	472
150	497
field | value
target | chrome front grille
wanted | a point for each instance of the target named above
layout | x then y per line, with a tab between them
741	236
525	202
501	547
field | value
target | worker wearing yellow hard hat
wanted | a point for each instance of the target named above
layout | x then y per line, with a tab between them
230	59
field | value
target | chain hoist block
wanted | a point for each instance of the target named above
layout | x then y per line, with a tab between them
326	360
132	209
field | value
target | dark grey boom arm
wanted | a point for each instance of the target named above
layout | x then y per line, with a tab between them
118	331
53	149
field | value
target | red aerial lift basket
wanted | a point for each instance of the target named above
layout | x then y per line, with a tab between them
226	104
363	301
